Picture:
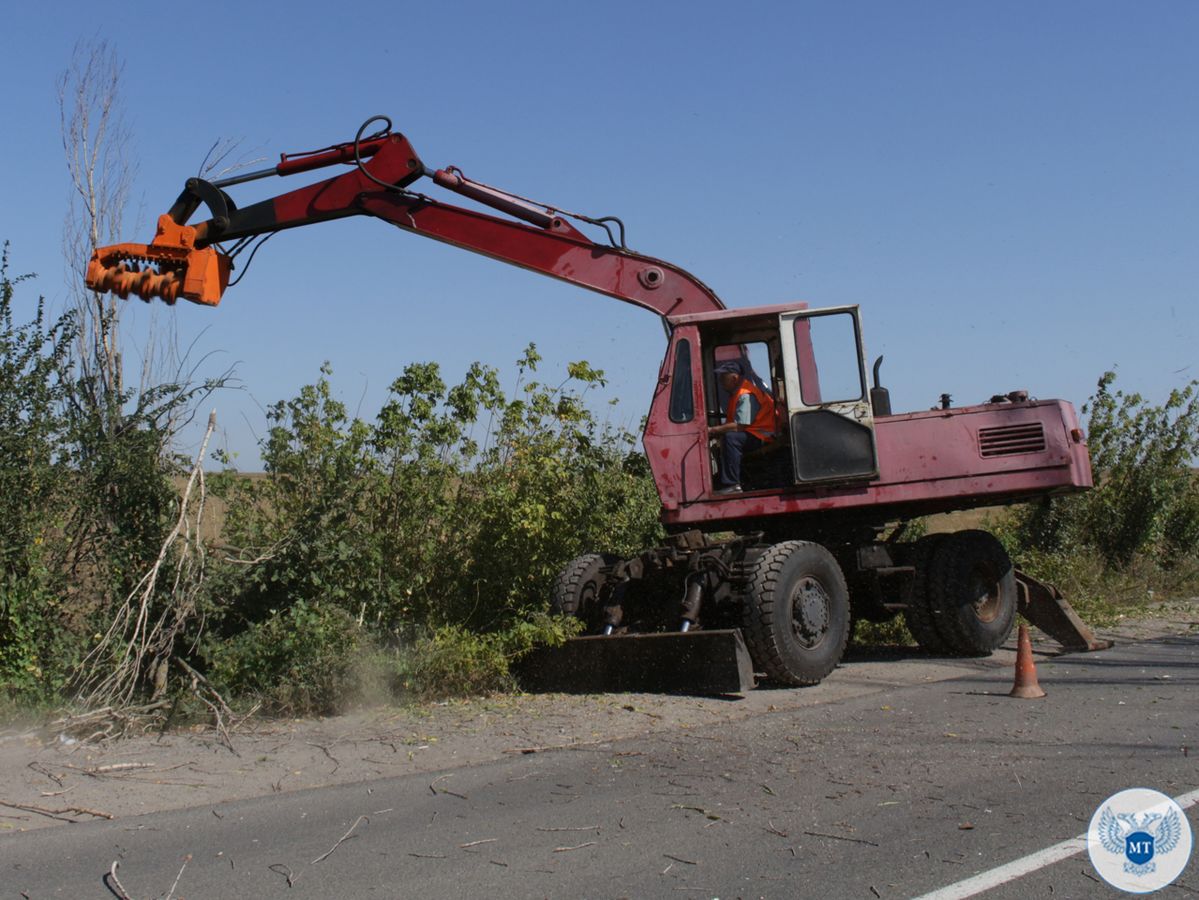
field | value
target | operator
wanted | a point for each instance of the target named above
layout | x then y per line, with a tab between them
748	422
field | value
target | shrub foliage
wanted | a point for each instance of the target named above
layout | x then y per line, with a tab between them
422	542
438	526
1138	529
86	498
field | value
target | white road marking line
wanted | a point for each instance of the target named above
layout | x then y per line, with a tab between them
985	881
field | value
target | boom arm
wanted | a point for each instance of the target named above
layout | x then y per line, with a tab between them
188	261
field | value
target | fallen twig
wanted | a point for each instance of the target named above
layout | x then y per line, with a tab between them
577	847
476	843
286	873
838	837
217	705
85	811
60	814
434	789
689	862
342	840
42	770
120	888
325	750
698	809
186	860
578	828
116	723
117	767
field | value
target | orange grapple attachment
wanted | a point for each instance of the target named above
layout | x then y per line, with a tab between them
169	267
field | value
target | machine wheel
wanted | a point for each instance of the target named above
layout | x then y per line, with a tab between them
920	616
576	589
795	617
973	591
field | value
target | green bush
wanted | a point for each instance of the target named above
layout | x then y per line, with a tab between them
554	483
36	653
1138	529
441	524
36	496
454	661
302	659
86	501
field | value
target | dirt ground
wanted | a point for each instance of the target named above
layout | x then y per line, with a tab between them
49	779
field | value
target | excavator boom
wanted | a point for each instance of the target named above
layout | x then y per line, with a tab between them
193	262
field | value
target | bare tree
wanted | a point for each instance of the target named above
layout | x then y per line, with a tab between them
96	141
124	433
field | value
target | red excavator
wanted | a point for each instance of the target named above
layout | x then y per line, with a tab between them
765	575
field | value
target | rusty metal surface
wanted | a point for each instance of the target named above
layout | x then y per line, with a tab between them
695	662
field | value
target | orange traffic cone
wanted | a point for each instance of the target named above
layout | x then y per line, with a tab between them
1026	686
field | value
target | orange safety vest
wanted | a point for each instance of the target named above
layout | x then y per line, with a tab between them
762	427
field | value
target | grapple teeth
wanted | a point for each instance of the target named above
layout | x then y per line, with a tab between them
169	268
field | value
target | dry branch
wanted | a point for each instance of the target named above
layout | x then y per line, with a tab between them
838	837
286	873
433	787
120	888
61	815
342	840
689	862
140	641
186	860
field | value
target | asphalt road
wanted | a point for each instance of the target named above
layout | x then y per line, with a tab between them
895	794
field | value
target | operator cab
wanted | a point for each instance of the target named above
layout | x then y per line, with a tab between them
810	361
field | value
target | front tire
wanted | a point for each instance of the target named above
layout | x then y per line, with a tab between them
795	616
576	590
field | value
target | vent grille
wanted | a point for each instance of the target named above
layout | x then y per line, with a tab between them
1009	440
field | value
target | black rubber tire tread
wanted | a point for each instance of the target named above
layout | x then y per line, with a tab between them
951	597
575	591
920	616
766	622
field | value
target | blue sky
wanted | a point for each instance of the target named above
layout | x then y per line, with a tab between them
1009	190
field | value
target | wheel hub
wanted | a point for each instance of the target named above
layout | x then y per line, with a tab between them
984	587
810	612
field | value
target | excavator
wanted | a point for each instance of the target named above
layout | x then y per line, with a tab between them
761	582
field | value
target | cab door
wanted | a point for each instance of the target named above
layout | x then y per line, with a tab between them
829	417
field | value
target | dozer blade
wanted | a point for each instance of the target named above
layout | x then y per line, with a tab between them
170	268
693	662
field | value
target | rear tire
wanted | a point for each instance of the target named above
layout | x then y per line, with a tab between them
920	616
576	590
973	592
795	615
